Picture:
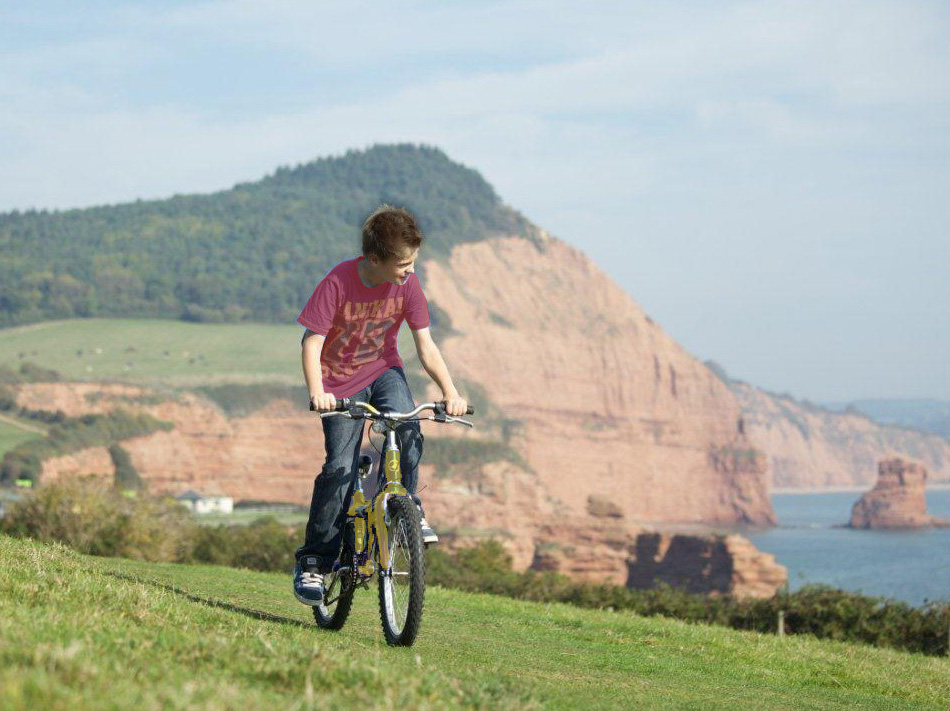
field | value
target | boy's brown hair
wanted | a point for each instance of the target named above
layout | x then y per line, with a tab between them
388	231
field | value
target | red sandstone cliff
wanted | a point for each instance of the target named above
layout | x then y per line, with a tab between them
811	448
596	397
605	401
898	499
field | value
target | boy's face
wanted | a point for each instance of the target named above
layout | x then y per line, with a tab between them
396	269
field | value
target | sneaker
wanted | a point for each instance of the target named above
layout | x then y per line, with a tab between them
308	584
428	535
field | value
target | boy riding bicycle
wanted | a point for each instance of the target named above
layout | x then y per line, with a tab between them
349	350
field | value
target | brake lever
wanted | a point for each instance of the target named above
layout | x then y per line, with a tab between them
449	418
352	414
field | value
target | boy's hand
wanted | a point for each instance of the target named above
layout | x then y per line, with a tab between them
455	406
323	402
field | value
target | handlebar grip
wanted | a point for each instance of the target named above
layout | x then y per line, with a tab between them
440	409
342	405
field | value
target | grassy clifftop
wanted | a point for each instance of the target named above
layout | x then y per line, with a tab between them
99	633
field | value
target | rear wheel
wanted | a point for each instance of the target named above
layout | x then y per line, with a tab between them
402	584
338	589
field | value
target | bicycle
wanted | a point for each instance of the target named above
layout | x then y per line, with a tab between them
382	537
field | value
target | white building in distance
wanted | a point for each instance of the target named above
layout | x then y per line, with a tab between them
206	504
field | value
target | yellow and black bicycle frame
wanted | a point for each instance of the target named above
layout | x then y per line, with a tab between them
369	519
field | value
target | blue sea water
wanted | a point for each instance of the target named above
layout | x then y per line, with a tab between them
913	566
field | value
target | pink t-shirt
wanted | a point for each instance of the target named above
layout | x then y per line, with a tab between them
361	324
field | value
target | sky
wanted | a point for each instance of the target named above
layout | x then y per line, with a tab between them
770	181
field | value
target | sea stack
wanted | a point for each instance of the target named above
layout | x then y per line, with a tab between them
898	499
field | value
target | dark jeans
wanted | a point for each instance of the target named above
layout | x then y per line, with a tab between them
334	486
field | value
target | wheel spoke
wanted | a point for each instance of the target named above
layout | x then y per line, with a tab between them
398	582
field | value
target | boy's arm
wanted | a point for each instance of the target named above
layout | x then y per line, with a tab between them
310	357
431	359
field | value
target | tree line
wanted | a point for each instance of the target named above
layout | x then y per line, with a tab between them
253	252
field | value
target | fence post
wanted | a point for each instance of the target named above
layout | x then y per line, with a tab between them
781	623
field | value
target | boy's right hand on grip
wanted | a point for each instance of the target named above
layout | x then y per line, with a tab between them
323	402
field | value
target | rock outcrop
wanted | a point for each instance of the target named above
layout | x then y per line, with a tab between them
708	564
898	499
712	564
808	447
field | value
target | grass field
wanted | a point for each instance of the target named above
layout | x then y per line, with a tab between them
161	351
80	632
147	350
13	432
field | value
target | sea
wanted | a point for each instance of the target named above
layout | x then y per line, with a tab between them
912	566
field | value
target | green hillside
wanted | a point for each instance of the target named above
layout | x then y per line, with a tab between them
165	352
14	432
83	632
155	350
253	252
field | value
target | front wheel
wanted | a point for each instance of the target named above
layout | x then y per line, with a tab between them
402	583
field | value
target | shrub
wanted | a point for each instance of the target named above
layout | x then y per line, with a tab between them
126	475
7	399
98	520
264	544
8	376
33	373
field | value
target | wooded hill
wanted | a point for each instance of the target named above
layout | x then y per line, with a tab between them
253	252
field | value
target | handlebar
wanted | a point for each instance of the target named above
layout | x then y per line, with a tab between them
345	404
347	407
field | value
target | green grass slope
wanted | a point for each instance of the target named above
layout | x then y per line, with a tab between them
156	350
13	432
162	351
80	632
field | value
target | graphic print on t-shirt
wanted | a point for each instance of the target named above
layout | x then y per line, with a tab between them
360	338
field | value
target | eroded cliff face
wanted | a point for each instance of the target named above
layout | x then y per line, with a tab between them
272	455
704	565
605	401
811	448
898	499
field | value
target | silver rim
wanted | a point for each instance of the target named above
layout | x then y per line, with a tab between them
396	585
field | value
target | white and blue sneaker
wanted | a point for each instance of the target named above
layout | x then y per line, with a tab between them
428	534
308	583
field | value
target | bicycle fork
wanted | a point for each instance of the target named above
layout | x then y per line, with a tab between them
394	487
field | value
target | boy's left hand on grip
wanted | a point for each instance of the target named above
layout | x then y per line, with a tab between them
457	406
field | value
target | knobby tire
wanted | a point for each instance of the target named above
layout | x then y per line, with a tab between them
401	594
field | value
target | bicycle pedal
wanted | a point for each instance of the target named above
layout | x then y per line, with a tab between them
365	466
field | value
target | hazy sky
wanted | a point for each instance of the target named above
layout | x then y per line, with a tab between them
769	180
